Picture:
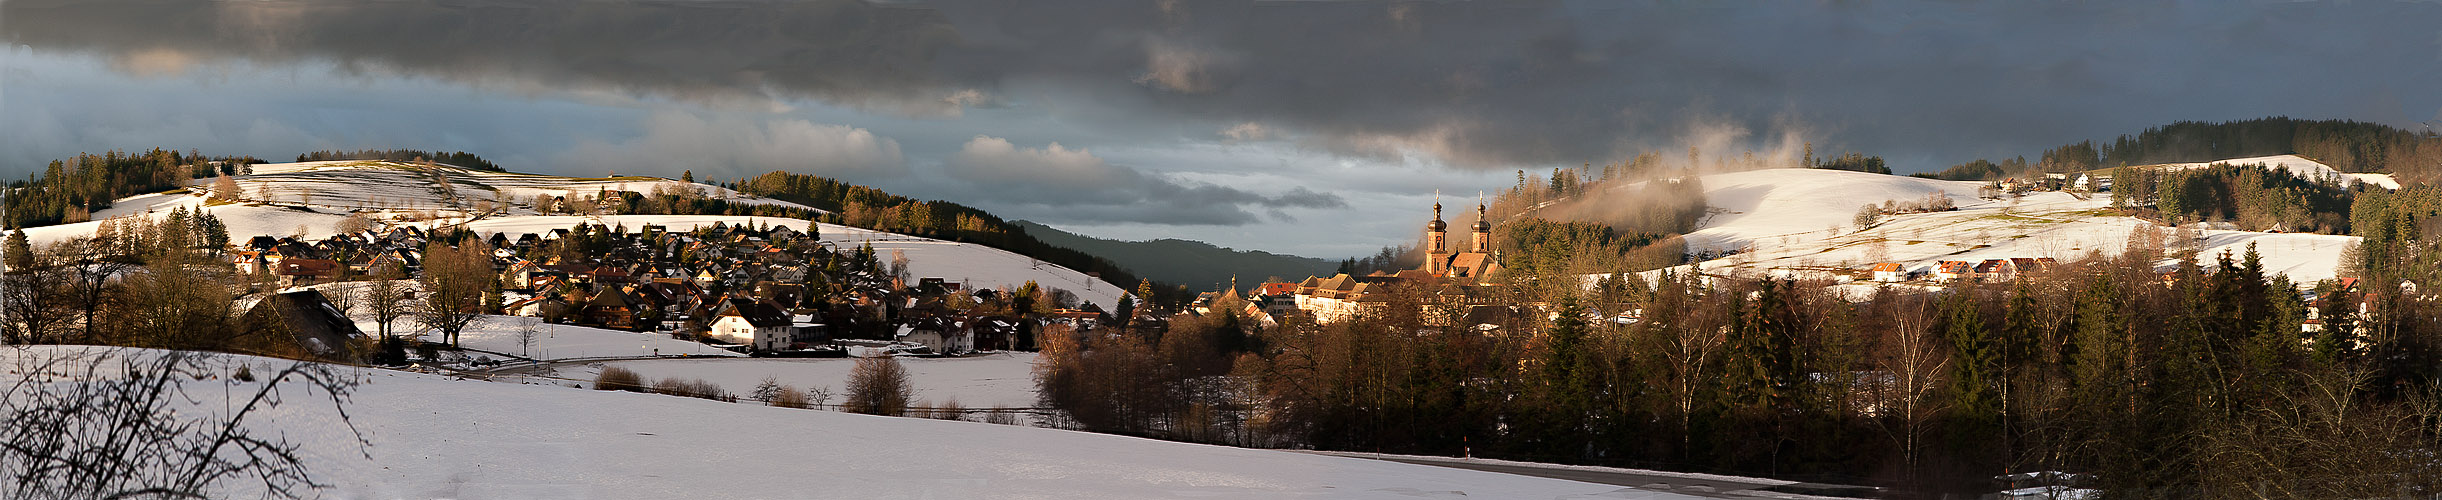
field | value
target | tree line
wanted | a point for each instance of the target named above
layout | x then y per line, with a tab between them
867	207
2254	197
2349	146
2195	382
456	158
70	190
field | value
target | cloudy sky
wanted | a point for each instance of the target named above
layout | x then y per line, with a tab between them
1312	127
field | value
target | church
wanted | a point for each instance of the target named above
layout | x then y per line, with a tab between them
1342	297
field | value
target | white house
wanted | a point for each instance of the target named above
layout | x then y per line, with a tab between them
1890	272
942	335
754	323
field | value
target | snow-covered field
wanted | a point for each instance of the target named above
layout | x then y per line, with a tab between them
972	264
553	342
1796	220
995	380
437	437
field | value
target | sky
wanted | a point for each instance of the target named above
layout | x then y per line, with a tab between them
1318	128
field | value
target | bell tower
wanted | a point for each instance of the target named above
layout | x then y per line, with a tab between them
1437	241
1481	240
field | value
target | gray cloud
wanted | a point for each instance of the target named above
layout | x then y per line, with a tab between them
737	147
1073	185
1478	84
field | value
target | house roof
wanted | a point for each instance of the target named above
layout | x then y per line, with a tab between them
1890	267
308	267
758	313
318	326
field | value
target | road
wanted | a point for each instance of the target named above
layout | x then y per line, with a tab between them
1709	486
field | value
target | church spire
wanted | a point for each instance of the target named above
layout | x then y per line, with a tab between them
1437	240
1481	240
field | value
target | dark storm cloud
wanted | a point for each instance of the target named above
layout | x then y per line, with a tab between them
1090	190
1485	84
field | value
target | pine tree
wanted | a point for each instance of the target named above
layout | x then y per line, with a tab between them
1973	360
20	252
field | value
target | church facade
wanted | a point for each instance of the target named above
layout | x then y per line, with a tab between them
1343	297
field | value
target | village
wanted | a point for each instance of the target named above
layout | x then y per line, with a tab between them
766	291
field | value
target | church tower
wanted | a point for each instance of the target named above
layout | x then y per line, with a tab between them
1482	238
1437	241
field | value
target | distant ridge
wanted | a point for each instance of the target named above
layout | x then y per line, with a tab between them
1196	264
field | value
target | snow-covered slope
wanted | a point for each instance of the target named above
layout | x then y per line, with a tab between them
972	264
2299	166
437	437
1758	206
310	198
407	185
281	198
1797	221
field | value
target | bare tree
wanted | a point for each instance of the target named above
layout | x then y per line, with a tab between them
35	303
93	279
878	386
386	299
115	424
225	188
527	330
1914	365
455	281
355	223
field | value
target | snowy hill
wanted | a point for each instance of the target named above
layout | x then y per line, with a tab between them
281	198
439	437
1796	221
2296	165
310	198
972	264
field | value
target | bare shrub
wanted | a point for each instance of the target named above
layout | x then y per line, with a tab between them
878	386
788	397
615	378
950	410
820	395
693	388
1001	417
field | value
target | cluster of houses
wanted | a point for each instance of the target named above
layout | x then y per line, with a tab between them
762	289
1953	271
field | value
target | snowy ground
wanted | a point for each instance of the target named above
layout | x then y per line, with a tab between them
555	342
436	437
994	380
